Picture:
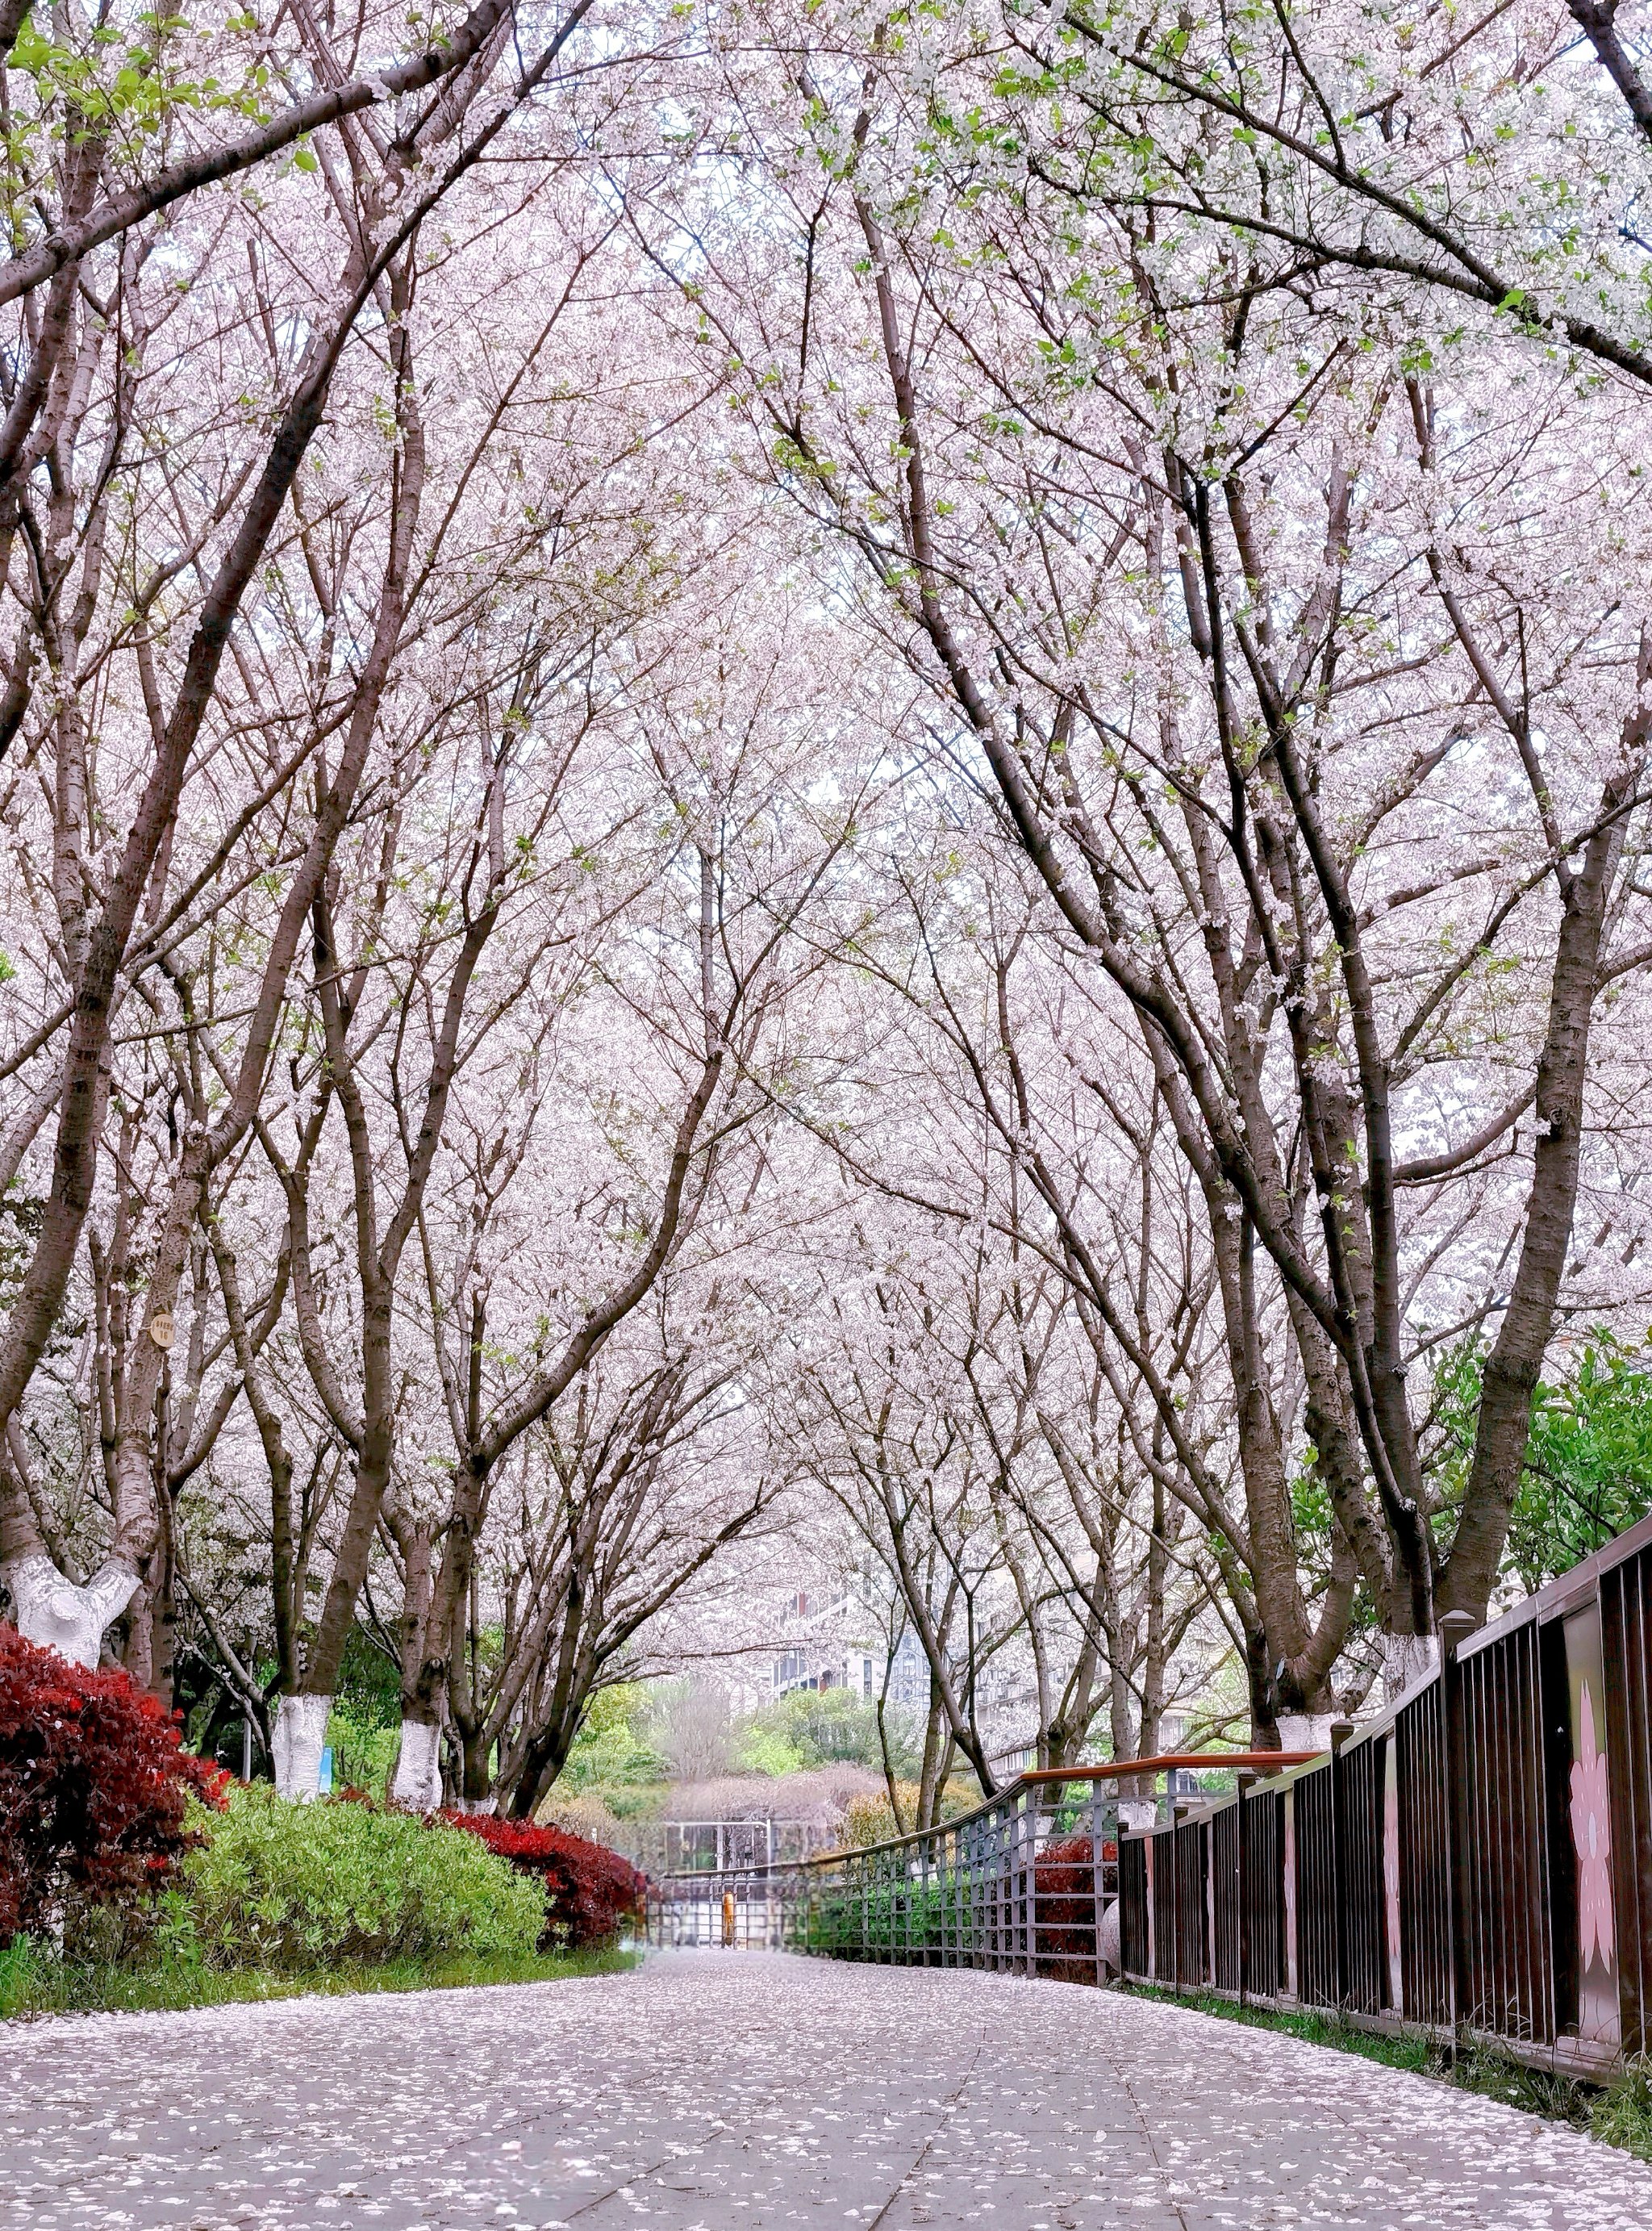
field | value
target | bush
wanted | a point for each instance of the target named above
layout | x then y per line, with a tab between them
291	1886
1064	1889
96	1791
885	1920
870	1819
592	1892
363	1753
828	1726
609	1752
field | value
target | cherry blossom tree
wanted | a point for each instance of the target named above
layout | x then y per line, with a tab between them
1179	539
811	769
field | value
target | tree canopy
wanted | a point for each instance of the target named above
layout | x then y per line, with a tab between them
818	783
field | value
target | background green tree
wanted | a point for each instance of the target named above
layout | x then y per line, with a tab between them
1588	1472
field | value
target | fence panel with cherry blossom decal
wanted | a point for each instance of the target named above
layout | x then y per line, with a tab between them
1474	1860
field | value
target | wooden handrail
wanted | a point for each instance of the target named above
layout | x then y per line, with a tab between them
1260	1762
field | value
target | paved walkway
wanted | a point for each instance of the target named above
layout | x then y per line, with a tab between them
727	2091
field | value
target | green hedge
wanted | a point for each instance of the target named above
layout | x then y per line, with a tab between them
886	1919
287	1886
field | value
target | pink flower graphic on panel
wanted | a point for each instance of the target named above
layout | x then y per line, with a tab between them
1591	1833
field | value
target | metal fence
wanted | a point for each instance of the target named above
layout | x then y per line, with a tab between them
742	1909
1475	1860
1026	1883
683	1847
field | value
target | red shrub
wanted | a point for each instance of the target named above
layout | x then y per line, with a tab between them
1064	1887
93	1783
594	1892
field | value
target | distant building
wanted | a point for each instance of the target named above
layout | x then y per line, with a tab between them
1008	1716
834	1643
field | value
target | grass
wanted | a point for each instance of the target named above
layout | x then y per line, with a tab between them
1619	2114
1623	2118
34	1981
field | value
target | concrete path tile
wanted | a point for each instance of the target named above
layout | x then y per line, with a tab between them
725	2091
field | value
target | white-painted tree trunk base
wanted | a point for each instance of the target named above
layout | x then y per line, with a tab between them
1108	1941
300	1737
418	1770
58	1615
1406	1658
476	1804
1305	1730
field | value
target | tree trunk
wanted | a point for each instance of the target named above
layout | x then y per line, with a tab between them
1511	1374
54	1612
417	1783
300	1737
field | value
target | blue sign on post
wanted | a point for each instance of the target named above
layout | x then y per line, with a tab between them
323	1779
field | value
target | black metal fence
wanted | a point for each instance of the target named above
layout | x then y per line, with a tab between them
1476	1860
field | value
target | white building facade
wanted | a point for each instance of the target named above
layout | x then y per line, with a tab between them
834	1643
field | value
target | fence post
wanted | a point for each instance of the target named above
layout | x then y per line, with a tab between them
1095	1873
952	1861
1006	1884
1007	1840
1244	1781
1340	1731
1031	1872
968	1926
1454	1629
923	1896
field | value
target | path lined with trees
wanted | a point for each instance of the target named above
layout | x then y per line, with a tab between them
892	768
787	781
